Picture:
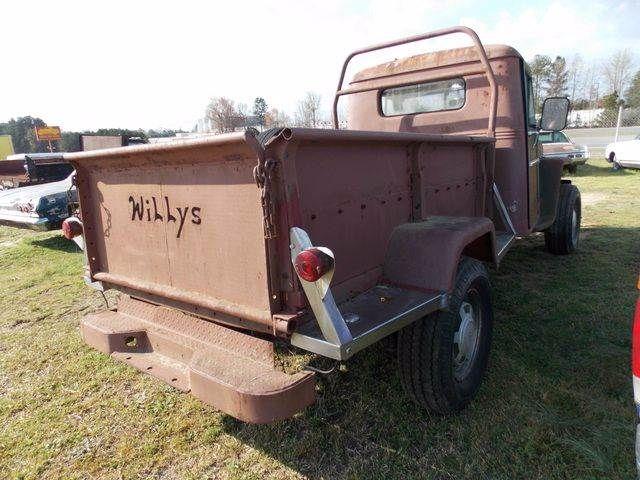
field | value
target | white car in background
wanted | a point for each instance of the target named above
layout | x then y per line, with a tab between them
624	154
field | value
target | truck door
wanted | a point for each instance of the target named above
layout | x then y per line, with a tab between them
533	148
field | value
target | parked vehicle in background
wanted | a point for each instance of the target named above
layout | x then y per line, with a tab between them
98	142
37	207
624	154
559	145
23	169
329	240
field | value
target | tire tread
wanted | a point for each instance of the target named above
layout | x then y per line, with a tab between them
557	237
423	351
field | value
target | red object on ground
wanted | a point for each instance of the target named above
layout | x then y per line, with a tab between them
71	228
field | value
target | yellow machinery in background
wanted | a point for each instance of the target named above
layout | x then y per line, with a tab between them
6	146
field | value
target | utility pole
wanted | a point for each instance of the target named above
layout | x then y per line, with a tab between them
618	123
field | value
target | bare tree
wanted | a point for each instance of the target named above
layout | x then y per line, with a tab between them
242	109
617	70
276	118
591	85
575	78
223	115
308	110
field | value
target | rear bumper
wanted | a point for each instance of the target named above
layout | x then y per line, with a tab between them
230	370
569	158
24	220
577	161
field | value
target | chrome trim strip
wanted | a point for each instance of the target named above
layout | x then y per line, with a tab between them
329	318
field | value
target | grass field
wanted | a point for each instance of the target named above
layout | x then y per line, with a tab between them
556	403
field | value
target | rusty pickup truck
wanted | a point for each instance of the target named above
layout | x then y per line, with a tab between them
328	240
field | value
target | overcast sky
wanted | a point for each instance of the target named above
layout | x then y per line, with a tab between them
151	64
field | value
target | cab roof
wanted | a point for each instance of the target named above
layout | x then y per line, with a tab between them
425	61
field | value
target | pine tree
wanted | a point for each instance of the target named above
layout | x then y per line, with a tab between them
260	109
540	68
632	96
558	78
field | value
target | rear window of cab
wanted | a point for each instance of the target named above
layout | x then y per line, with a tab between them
423	97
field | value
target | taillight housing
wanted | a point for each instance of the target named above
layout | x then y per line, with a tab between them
71	228
312	264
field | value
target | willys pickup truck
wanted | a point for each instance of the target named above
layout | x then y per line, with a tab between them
328	240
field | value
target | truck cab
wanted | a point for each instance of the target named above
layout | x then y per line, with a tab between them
327	240
448	92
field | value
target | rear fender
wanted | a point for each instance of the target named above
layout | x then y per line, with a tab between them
425	255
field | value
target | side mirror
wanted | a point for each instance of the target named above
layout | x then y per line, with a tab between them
554	114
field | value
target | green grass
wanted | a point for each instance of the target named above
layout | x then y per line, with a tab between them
556	403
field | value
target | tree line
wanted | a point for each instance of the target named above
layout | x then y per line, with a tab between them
588	85
22	131
609	85
225	115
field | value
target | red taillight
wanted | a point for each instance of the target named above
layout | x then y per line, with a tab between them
312	264
71	228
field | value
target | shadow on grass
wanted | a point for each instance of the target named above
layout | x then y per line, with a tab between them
57	242
556	400
595	170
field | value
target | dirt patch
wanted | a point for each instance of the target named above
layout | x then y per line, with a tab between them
8	243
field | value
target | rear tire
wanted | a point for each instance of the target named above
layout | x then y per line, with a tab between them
442	357
614	164
562	237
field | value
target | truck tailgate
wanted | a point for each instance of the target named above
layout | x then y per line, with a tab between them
180	225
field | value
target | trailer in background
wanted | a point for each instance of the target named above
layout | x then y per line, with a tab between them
100	142
22	169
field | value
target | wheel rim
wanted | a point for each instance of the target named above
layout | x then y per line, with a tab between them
466	340
574	227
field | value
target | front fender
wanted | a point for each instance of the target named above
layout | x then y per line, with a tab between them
425	255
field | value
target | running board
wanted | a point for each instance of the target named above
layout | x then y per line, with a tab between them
369	317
